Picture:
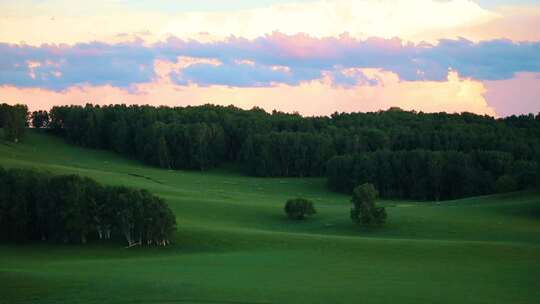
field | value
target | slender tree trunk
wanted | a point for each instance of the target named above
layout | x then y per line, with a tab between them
108	232
127	235
100	232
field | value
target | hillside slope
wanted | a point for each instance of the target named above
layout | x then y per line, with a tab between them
235	245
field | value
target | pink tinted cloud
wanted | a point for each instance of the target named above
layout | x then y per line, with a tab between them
303	45
517	23
121	21
317	97
519	95
306	57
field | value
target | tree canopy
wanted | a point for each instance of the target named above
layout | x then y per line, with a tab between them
364	210
299	208
428	175
40	119
14	120
439	155
71	209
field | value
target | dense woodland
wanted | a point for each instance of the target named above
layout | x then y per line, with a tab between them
72	209
14	120
432	175
404	154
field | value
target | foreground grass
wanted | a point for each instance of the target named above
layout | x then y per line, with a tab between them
235	245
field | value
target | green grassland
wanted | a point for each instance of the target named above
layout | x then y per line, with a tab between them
235	245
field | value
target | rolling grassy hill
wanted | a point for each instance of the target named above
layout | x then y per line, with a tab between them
235	245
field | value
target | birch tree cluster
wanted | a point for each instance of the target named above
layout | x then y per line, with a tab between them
37	206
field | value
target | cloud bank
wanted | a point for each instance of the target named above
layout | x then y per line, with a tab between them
63	21
316	97
265	61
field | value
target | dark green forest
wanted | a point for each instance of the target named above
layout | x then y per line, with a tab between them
36	206
405	154
432	175
14	120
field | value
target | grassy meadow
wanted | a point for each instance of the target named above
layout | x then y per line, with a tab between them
235	245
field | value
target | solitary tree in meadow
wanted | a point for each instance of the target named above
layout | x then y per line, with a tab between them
364	210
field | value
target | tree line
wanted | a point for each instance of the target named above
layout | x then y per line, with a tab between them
286	154
281	144
14	120
72	209
431	175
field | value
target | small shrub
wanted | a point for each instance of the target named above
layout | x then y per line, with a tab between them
298	209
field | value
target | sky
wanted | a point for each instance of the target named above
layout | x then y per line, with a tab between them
314	57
